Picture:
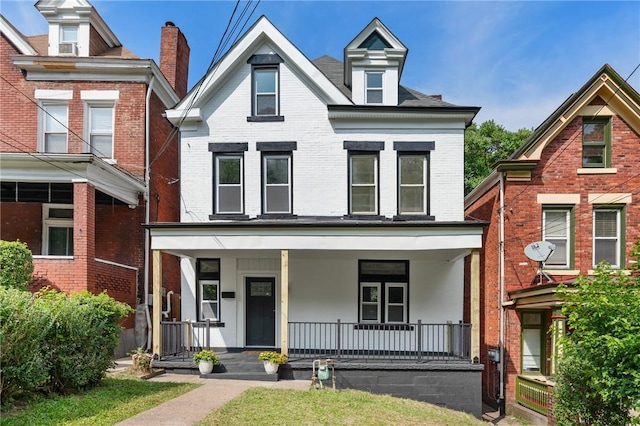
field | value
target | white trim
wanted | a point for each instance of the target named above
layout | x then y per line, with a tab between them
378	303
404	304
617	237
53	95
15	37
48	223
99	95
610	198
558	198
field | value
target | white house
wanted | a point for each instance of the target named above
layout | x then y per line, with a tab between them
322	206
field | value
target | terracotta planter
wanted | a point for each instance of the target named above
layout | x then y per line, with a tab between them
205	367
270	367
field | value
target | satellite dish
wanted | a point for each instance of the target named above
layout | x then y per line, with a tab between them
539	251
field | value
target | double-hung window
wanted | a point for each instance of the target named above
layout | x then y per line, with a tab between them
100	129
363	183
608	236
412	183
373	87
57	233
383	291
68	40
265	89
208	277
55	121
276	177
229	184
596	142
557	228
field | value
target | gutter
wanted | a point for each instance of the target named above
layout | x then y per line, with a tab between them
501	306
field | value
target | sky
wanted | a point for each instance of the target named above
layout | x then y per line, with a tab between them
517	60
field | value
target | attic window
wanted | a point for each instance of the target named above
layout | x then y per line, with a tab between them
374	87
68	40
375	42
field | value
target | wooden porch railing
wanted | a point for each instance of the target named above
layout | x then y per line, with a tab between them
532	394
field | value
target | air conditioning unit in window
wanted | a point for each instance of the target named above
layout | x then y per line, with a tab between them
68	49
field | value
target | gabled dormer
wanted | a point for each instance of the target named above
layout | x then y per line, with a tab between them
75	28
373	64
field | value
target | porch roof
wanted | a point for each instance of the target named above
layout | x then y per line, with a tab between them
458	238
66	168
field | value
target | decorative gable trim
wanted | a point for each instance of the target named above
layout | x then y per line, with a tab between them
620	98
262	32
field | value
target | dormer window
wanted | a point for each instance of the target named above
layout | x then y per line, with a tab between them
374	87
68	40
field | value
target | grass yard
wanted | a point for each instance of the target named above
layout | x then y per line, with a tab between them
261	406
117	398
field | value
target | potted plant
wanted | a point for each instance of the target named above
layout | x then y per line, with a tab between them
272	361
206	359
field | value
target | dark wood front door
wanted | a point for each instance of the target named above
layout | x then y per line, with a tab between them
261	311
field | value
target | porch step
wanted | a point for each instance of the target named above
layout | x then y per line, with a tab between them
261	377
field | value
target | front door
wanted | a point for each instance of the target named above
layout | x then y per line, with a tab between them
261	311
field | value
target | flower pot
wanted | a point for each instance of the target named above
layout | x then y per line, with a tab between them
205	367
270	367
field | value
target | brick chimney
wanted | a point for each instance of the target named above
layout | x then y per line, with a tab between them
174	57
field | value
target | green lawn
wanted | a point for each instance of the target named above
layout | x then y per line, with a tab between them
116	399
262	406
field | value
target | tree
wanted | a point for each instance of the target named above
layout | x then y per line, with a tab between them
599	373
16	264
485	145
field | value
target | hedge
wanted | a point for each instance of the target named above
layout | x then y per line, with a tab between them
16	264
55	342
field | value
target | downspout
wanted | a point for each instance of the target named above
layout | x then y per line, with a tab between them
501	307
147	236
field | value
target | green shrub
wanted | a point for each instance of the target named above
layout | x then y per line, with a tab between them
23	325
83	337
16	264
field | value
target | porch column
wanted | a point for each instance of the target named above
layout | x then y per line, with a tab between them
157	301
84	237
284	302
557	332
475	304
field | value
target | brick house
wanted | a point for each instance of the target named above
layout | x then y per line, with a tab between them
323	216
574	183
87	156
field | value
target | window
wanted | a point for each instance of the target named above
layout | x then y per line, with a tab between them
383	291
596	143
265	90
229	184
374	87
54	126
557	228
68	34
532	342
57	235
363	183
101	130
607	236
412	183
208	274
277	183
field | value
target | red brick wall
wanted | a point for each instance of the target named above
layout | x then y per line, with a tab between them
22	221
554	174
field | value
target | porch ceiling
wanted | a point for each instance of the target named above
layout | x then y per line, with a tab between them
455	240
65	168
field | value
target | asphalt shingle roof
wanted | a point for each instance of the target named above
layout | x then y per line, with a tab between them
334	70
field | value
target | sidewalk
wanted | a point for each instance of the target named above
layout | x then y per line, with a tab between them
195	405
